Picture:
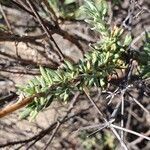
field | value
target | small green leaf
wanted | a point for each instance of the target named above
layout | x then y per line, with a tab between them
107	57
33	114
41	80
102	83
91	81
57	76
66	95
31	84
67	2
69	65
44	74
127	40
24	114
88	65
94	57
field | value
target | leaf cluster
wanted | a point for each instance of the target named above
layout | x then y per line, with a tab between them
93	70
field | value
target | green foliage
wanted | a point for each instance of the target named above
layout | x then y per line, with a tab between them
93	70
109	140
97	11
66	9
89	143
98	141
144	57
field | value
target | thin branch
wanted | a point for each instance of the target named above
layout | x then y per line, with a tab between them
53	28
26	39
119	138
122	113
45	28
45	131
94	104
55	19
138	38
129	118
130	131
138	103
58	123
102	127
138	140
105	120
9	109
52	136
6	20
21	71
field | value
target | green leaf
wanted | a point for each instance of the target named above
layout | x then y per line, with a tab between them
67	2
90	5
44	74
106	57
91	81
127	40
58	76
94	57
42	100
49	76
66	95
69	65
24	114
33	114
48	101
102	83
41	80
31	84
88	65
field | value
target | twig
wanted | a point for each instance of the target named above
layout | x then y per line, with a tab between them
127	23
122	113
138	140
51	27
9	109
130	131
52	136
6	20
119	138
116	110
129	119
45	28
19	71
55	19
94	104
58	123
102	127
91	127
43	132
138	103
139	37
26	39
112	95
105	120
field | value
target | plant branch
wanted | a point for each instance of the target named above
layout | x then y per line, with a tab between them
132	132
9	109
